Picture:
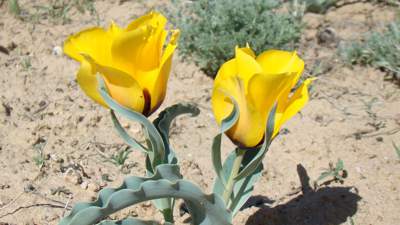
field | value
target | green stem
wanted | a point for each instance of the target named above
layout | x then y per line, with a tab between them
168	215
235	171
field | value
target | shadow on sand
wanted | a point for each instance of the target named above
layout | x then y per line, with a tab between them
324	206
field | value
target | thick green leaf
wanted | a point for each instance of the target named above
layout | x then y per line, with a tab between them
157	153
204	209
127	138
131	221
226	124
216	158
257	160
243	187
249	172
163	123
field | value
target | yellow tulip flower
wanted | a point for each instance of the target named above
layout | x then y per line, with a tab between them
256	84
133	61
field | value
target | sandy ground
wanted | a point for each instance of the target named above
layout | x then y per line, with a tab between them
354	115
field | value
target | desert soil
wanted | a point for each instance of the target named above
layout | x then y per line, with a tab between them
353	115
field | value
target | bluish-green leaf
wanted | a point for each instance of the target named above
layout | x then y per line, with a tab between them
257	160
163	123
131	221
127	138
157	145
226	124
204	209
243	188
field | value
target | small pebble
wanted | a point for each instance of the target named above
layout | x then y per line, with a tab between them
84	185
57	50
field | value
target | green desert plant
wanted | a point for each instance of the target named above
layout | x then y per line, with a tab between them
380	50
252	131
337	173
120	157
319	6
39	158
212	28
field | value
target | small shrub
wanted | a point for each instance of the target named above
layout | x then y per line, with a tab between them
380	50
319	6
211	28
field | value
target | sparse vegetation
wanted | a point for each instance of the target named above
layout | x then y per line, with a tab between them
120	157
336	173
319	6
26	63
56	11
39	158
211	29
13	7
397	149
380	50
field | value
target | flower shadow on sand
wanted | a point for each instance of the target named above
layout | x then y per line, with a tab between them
324	206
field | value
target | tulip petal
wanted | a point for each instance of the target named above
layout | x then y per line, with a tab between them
157	84
248	131
114	30
296	102
276	62
152	19
86	79
122	87
94	42
246	64
264	90
140	45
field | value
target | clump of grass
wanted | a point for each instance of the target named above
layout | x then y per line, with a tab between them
120	157
212	28
379	49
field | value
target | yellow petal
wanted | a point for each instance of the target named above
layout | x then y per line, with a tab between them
94	42
246	64
127	50
264	90
249	130
86	79
140	45
114	30
152	18
157	83
122	87
296	102
277	61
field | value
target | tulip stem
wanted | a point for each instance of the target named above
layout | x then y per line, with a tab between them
234	172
